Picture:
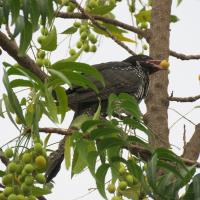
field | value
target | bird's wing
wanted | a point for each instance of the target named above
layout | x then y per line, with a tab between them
119	77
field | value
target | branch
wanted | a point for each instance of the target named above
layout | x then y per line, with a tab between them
183	56
25	61
192	148
102	28
184	99
145	154
115	22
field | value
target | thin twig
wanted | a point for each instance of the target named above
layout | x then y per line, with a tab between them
183	56
184	99
98	25
184	136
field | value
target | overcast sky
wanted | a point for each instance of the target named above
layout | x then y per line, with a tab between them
185	38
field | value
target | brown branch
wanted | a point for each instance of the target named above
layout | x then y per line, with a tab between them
192	148
25	61
98	25
183	56
184	99
115	22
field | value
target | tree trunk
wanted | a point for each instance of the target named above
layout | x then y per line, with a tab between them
157	104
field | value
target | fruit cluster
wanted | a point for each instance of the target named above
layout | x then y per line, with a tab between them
87	39
23	172
126	181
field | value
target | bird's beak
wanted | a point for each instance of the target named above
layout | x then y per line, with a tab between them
159	64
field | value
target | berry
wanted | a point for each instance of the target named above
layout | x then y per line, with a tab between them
39	61
25	189
86	47
7	191
116	198
145	47
29	180
41	39
2	197
122	170
26	157
40	162
40	178
93	48
20	197
83	28
93	3
72	52
12	197
31	197
46	62
131	179
164	64
92	38
79	44
111	188
143	25
41	54
38	147
28	168
84	35
12	167
122	185
77	24
7	179
8	153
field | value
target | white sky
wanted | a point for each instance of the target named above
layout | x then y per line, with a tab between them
185	38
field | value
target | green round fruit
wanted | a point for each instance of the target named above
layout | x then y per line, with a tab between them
111	188
19	168
28	168
72	52
93	3
20	197
40	162
41	39
25	189
83	28
21	178
46	62
84	35
79	44
12	167
26	157
38	147
71	7
86	47
143	25
39	61
92	38
41	54
40	178
44	31
77	24
31	197
93	48
12	197
7	191
129	179
29	180
122	170
8	153
7	179
2	196
122	185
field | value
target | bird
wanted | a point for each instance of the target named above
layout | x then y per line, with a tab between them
127	76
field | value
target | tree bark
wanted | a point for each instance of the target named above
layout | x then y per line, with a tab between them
157	102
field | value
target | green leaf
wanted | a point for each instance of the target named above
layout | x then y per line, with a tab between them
151	170
43	6
137	140
97	114
67	152
19	25
34	13
62	102
102	9
179	2
21	83
70	30
174	19
50	13
25	38
107	143
100	178
104	132
196	186
1	110
143	16
38	192
134	169
8	110
79	67
14	102
50	41
15	7
91	161
46	140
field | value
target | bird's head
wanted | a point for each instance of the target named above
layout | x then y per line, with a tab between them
148	64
